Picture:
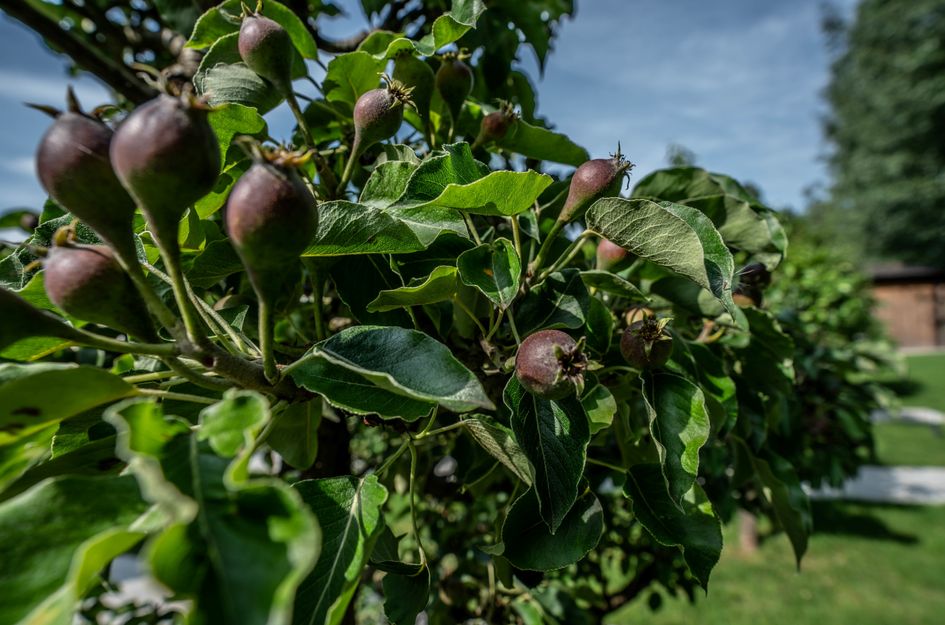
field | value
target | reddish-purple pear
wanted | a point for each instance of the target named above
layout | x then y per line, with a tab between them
72	162
609	254
646	344
454	81
594	179
550	364
87	282
167	156
496	125
266	48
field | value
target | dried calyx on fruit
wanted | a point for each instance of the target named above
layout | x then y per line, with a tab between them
271	215
266	48
167	156
594	179
752	280
495	126
454	81
74	168
87	282
550	364
646	344
609	254
378	114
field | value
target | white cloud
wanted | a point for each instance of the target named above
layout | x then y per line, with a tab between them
19	165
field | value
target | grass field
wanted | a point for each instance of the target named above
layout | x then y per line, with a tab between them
866	564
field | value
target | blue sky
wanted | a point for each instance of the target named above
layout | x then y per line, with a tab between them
736	81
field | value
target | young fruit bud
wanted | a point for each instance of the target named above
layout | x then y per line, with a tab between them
267	49
646	344
87	282
167	156
21	321
454	81
596	178
496	125
637	313
74	168
550	364
609	254
418	76
271	215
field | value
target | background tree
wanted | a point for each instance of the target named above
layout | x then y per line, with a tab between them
887	129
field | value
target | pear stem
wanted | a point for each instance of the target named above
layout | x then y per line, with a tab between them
124	347
545	248
266	332
568	255
349	166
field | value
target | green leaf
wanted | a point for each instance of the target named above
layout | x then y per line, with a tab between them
450	26
406	596
217	261
223	78
17	456
600	406
233	422
294	435
404	362
493	268
347	228
673	236
387	183
528	544
599	326
679	425
95	458
56	538
560	301
693	528
767	360
347	390
230	120
26	403
439	286
543	144
358	280
349	509
554	437
351	75
499	442
744	227
238	550
613	284
783	490
213	25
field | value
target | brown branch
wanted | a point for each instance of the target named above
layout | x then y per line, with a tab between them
115	74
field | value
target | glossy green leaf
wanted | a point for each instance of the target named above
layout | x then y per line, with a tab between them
405	596
600	406
450	26
528	544
386	555
599	326
500	443
387	183
57	537
351	75
453	164
94	458
405	362
693	528
744	227
348	390
347	228
349	510
560	301
543	144
679	425
554	437
674	236
233	422
231	120
27	404
224	79
238	549
294	435
17	456
612	283
439	286
494	269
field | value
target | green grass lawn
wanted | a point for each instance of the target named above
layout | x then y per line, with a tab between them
867	565
927	371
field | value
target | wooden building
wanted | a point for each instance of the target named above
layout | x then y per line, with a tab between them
910	302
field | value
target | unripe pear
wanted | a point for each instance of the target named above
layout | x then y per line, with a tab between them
646	344
454	81
266	48
73	165
495	126
167	156
594	179
87	282
378	114
271	216
550	364
609	254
